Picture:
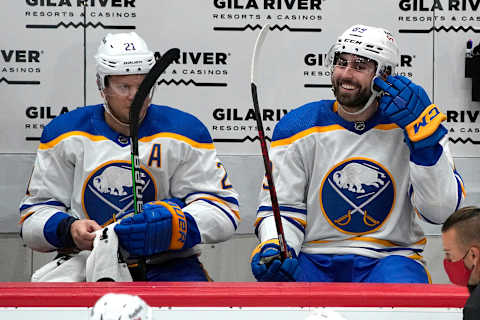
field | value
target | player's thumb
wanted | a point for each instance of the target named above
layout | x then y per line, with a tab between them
93	226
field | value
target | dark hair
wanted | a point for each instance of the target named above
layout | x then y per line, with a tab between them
466	221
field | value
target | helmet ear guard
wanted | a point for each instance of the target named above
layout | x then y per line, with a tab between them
386	71
99	83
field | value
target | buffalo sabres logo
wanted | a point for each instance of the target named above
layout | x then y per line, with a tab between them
357	195
107	192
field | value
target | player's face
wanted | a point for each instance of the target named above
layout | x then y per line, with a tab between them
120	93
351	79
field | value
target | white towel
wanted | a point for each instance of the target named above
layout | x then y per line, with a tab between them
103	263
68	268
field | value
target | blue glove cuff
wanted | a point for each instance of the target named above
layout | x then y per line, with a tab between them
426	152
427	142
193	235
179	226
427	156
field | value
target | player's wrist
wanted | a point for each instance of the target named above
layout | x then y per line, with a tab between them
193	233
184	231
64	233
426	124
427	142
427	156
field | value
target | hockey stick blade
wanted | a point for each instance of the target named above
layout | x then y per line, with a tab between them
256	50
284	254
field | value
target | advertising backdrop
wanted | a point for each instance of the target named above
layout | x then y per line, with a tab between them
47	66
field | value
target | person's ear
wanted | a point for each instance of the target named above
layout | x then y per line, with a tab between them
475	254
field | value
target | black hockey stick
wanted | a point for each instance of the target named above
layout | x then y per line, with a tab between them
138	268
263	143
137	104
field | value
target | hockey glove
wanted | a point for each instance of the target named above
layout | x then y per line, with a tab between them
409	106
160	227
267	265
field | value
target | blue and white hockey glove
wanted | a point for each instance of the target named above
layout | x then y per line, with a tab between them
267	266
160	227
409	106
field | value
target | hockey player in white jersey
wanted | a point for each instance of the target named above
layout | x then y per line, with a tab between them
82	175
353	173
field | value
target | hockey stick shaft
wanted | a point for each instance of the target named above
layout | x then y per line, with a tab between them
138	265
263	144
137	104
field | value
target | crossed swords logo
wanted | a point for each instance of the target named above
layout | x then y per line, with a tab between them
119	211
346	218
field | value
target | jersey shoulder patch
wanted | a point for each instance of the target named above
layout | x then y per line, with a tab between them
79	119
313	114
167	119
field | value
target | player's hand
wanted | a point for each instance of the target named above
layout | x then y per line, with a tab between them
83	233
403	101
160	227
267	265
409	106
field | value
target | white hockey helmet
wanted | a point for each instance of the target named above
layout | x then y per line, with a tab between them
374	43
122	54
324	314
115	306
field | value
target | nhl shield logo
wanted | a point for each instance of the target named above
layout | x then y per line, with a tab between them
107	192
357	196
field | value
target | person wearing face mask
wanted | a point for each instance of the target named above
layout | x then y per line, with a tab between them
461	243
353	173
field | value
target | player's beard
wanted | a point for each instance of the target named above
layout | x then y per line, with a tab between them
353	101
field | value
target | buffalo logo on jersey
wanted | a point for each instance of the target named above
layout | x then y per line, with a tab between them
357	196
108	191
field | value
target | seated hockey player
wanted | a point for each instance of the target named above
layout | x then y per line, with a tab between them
82	178
353	173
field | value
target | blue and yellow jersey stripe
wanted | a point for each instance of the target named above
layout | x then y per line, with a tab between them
380	242
160	122
318	117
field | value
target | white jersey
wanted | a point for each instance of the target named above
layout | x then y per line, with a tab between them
347	190
83	169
